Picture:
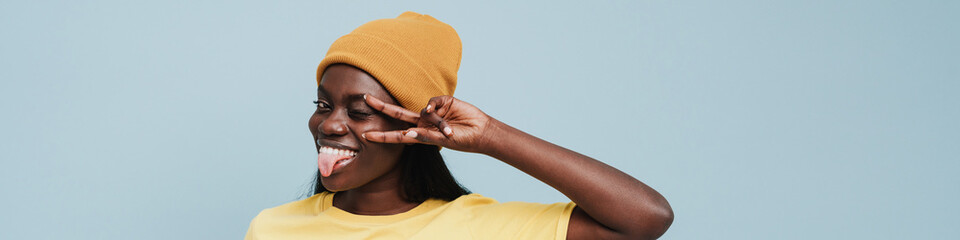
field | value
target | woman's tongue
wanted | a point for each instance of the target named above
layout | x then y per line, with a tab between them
326	162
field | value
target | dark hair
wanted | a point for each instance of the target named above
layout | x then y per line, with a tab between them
423	175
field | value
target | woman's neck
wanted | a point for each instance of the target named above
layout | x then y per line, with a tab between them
381	196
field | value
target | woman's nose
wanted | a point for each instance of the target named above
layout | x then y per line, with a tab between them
335	124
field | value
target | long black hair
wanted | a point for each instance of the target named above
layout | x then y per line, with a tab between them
423	175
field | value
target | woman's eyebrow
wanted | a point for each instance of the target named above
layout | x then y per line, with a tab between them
349	98
321	91
355	98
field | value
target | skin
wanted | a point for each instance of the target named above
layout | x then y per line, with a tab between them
610	203
371	185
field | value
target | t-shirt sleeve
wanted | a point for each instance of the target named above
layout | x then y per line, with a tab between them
251	230
523	220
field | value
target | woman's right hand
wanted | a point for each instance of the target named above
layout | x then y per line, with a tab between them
446	121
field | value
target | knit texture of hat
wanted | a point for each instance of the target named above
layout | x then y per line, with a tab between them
414	56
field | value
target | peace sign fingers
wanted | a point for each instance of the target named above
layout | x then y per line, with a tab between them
391	110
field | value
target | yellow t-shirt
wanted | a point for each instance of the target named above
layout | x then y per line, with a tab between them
467	217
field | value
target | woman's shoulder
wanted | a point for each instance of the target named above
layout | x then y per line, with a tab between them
307	206
492	219
473	199
489	205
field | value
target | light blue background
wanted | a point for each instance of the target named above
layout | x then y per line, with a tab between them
756	119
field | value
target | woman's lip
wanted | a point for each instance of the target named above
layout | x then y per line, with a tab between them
325	143
342	164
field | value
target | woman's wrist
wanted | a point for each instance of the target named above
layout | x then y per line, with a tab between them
497	138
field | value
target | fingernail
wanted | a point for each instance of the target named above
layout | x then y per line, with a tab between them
411	134
429	108
447	130
364	96
363	135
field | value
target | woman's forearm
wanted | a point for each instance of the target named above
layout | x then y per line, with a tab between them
611	197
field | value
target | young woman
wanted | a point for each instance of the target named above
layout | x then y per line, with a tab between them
384	110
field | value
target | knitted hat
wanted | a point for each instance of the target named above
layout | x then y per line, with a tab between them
414	56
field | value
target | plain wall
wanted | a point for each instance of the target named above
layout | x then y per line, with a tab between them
756	119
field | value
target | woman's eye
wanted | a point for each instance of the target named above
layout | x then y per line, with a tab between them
360	114
321	105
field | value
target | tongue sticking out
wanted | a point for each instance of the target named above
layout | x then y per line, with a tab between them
326	162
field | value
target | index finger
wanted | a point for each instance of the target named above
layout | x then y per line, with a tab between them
391	110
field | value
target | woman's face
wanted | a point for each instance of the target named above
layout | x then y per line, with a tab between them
340	119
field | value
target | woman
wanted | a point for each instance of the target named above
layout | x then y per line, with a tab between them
384	110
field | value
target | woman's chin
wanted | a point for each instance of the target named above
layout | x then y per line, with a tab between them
334	184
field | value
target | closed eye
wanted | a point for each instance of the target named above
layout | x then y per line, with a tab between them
360	114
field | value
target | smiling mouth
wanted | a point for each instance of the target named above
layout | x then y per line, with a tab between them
331	159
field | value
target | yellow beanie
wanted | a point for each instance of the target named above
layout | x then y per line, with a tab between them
414	56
